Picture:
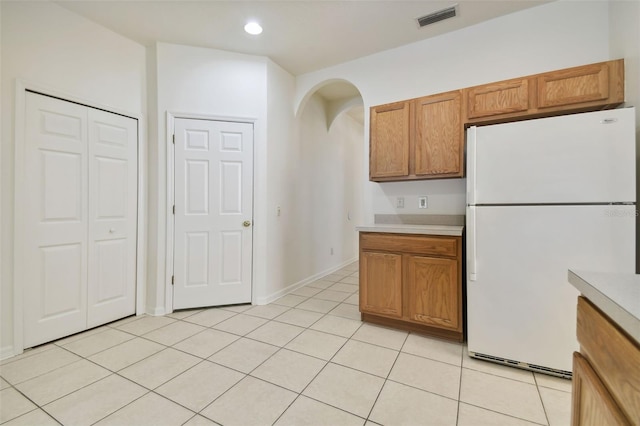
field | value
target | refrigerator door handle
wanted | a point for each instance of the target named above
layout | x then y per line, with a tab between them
471	165
471	243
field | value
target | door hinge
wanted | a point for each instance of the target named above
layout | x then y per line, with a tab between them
174	138
173	279
174	209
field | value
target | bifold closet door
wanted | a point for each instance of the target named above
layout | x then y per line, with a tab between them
112	217
77	266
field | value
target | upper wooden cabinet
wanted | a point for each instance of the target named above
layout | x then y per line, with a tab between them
504	97
417	139
390	137
439	139
596	83
583	88
423	138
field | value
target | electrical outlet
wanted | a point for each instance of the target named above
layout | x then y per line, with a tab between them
422	202
400	202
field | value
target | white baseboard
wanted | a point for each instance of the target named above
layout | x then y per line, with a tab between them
155	311
6	352
278	294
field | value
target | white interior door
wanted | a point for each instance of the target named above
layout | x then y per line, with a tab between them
55	219
213	213
113	184
79	234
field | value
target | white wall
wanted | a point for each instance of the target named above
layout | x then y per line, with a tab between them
313	176
46	45
552	36
193	80
282	175
324	197
624	39
199	81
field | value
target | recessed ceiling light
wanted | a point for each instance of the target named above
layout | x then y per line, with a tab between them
253	28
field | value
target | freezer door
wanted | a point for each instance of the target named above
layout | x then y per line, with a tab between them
579	158
520	305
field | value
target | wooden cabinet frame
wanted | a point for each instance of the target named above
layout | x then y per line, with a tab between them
606	372
390	298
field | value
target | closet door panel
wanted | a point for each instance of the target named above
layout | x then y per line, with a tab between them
53	184
112	216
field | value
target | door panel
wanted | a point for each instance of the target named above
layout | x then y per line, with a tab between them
113	189
433	298
62	280
213	198
197	256
520	305
381	283
579	158
55	219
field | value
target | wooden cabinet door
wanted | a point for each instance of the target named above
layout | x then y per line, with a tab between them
494	99
574	86
433	292
390	136
592	405
381	283
439	143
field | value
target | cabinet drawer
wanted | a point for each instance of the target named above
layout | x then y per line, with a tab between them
613	355
414	244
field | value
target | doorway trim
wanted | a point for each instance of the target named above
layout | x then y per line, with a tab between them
21	89
170	170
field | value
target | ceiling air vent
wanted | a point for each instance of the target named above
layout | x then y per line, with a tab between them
434	17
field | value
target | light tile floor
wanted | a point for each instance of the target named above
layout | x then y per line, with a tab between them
305	359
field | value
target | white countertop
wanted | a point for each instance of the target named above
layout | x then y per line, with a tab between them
451	230
617	295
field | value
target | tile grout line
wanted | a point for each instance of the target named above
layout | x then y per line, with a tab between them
544	409
280	348
327	362
116	373
460	384
384	383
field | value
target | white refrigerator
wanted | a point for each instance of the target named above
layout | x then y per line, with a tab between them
544	196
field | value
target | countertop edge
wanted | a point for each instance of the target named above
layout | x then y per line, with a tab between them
445	230
627	321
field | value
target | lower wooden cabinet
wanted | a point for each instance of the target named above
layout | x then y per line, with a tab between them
432	291
606	372
412	282
592	402
381	276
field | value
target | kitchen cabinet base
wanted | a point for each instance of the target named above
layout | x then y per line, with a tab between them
417	328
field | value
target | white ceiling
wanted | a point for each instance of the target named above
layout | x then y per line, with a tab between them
299	35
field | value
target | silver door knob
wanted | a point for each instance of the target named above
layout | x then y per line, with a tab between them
246	223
